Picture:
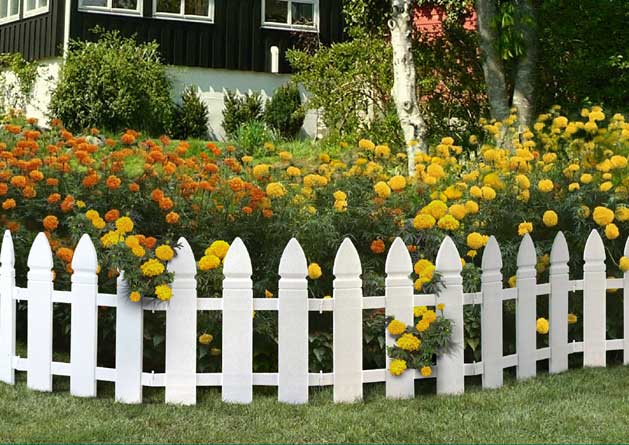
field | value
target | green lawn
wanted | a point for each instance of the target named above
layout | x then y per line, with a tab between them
589	405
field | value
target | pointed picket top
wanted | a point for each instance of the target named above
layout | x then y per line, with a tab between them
559	253
293	263
527	257
492	257
183	263
40	255
399	260
7	253
448	258
594	248
237	263
347	262
626	247
85	258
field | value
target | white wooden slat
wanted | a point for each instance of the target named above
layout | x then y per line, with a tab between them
474	298
576	285
84	319
526	309
476	368
266	304
321	304
293	325
61	368
321	379
20	294
153	379
626	308
594	301
61	296
451	379
105	374
20	364
614	283
347	325
209	304
616	344
7	309
575	346
491	315
543	289
378	375
424	299
373	302
399	305
129	345
209	379
107	300
265	379
181	329
237	325
559	287
510	294
39	329
510	360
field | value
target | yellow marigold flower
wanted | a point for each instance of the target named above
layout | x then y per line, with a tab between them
285	156
135	296
425	371
473	139
382	189
152	268
622	213
261	170
314	271
268	293
91	215
584	211
99	223
436	171
246	159
396	327
448	222
382	151
573	186
602	216
138	251
293	171
366	144
487	193
397	366
512	281
205	339
524	228
605	186
623	263
572	318
110	238
408	342
218	248
618	161
124	224
132	241
164	252
429	316
471	206
550	218
340	206
163	292
209	262
424	268
422	325
397	183
586	178
436	208
545	185
523	182
458	211
590	127
611	231
275	190
340	195
441	306
542	326
418	311
475	240
560	122
472	253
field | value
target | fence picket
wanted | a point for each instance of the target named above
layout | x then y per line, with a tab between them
559	287
7	309
181	329
526	309
84	319
451	378
293	325
594	304
237	325
626	308
491	315
39	329
399	304
348	324
129	345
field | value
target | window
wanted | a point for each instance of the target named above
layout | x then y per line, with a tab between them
111	6
184	9
9	10
34	7
291	14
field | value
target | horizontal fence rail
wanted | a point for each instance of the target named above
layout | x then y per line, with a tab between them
237	378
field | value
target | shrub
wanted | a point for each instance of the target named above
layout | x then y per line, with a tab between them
240	109
191	116
113	83
284	111
16	92
253	135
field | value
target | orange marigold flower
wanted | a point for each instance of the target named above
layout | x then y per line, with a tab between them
67	204
133	187
166	204
91	180
267	213
65	254
8	204
113	182
53	198
157	195
36	175
13	226
29	192
4	188
18	181
112	215
236	184
52	182
150	242
50	222
127	139
14	129
377	246
172	218
247	210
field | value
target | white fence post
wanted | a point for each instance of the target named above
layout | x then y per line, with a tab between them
526	309
237	325
491	315
7	310
594	304
129	345
347	329
181	329
84	319
293	325
40	287
398	301
559	288
450	364
626	308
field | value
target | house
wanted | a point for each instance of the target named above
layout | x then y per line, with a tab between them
214	44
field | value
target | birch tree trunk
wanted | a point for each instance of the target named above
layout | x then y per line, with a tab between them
493	69
524	86
404	85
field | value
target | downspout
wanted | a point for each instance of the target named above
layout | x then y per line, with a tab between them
66	26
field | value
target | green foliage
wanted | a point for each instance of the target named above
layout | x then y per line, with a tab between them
366	16
191	116
25	73
114	83
284	112
252	135
241	109
510	23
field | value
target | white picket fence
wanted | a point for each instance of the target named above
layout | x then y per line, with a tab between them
293	380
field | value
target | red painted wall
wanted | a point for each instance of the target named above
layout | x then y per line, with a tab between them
428	20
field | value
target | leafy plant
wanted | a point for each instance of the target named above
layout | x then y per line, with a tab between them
284	111
25	73
241	109
191	116
251	136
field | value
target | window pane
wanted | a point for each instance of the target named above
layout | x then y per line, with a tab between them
198	7
303	13
173	6
43	3
30	5
125	4
276	11
101	3
4	6
15	7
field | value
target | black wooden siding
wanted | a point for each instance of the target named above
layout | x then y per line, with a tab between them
35	37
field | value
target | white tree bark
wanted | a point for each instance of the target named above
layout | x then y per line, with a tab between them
404	85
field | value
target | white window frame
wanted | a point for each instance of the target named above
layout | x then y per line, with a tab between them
36	11
275	25
181	15
109	9
14	17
